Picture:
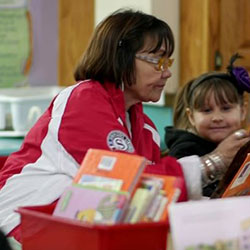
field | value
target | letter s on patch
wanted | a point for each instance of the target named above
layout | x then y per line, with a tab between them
118	140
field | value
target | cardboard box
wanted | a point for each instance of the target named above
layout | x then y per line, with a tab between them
41	230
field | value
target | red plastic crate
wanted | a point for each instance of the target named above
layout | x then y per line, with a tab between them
41	230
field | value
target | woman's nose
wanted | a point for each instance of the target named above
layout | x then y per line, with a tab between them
166	73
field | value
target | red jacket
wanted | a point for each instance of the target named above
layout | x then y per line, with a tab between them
86	115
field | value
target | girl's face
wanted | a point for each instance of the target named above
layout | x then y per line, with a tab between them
150	81
215	122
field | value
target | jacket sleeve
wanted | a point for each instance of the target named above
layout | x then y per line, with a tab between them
192	174
167	166
87	120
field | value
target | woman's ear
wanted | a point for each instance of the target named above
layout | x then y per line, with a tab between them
190	116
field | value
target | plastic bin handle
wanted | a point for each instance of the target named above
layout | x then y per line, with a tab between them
34	113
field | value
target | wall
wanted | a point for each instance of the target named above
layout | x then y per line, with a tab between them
104	8
45	47
168	10
162	117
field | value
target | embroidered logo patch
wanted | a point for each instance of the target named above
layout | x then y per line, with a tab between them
117	140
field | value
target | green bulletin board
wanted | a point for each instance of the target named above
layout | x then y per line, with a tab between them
14	42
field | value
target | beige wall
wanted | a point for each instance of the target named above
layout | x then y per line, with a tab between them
168	10
104	7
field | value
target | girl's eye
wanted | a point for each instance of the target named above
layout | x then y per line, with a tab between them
226	107
205	110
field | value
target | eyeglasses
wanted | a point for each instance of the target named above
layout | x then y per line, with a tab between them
161	64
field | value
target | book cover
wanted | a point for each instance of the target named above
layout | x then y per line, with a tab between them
155	187
170	193
240	185
116	165
142	200
138	205
211	224
232	172
91	205
153	208
161	209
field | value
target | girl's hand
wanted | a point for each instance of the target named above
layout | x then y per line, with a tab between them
215	164
228	148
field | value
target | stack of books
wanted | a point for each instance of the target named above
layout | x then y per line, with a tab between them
152	198
111	187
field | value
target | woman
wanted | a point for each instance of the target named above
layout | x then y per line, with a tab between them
127	63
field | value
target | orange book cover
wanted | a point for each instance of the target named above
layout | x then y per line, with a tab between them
172	186
114	165
232	171
240	185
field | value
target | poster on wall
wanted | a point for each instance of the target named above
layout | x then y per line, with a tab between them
15	43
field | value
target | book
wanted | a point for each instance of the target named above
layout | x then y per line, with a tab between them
122	168
236	181
162	207
211	224
153	208
92	205
152	197
142	200
240	185
138	205
170	192
155	187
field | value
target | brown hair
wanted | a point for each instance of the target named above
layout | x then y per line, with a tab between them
111	52
180	118
224	91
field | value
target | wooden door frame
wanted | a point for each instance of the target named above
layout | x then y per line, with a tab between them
75	27
199	39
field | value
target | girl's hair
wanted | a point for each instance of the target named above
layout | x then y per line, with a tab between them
110	55
226	87
180	119
224	92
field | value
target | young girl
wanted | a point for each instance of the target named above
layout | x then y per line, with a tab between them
214	107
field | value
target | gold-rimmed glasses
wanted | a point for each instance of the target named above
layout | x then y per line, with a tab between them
161	64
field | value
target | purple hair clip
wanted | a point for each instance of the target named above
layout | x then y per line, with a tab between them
242	77
240	74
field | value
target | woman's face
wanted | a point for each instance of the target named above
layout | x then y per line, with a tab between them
215	122
150	80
